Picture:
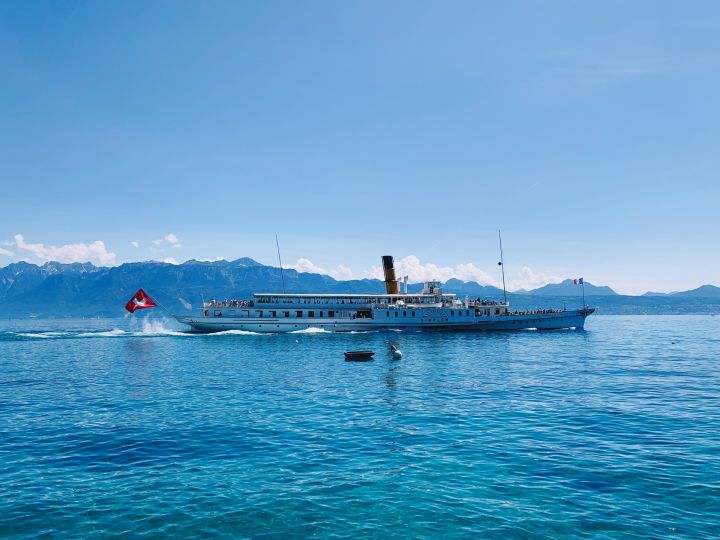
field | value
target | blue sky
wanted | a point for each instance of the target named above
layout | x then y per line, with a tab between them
588	132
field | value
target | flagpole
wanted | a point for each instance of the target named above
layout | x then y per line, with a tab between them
166	310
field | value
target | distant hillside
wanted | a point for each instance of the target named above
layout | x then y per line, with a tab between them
567	288
84	290
471	288
704	291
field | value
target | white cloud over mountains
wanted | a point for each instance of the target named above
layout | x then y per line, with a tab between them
306	265
95	252
6	252
418	272
528	279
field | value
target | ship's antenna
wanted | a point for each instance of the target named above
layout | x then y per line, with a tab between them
282	276
502	266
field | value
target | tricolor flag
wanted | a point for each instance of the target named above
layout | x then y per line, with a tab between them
578	281
141	300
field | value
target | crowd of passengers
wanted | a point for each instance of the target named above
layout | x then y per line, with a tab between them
250	303
481	302
535	312
230	303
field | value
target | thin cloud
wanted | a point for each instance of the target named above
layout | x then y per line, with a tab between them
169	238
173	240
6	252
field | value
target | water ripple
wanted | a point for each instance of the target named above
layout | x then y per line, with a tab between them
122	429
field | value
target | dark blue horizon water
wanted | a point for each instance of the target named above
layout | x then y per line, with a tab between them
129	428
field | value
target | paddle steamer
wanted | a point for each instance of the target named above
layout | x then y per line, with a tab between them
431	309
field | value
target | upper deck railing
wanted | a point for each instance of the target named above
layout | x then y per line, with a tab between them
356	300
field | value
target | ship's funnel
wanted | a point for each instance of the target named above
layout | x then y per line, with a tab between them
391	284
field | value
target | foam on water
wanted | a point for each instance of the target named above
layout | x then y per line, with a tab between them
311	330
115	332
148	329
155	327
236	333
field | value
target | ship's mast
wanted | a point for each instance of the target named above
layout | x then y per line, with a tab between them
502	266
282	276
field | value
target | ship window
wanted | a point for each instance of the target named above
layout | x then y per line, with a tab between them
273	314
331	313
207	313
452	312
467	312
286	313
298	313
387	313
412	313
404	313
497	312
396	313
311	313
321	314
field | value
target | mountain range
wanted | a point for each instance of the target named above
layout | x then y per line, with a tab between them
84	290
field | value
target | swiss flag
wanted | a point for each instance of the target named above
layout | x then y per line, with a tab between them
141	300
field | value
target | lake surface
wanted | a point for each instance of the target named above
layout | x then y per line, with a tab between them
128	428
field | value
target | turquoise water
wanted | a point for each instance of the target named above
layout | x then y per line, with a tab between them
110	428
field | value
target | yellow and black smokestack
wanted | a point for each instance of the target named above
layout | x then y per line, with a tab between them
391	283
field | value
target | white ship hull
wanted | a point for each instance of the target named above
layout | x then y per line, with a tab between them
437	322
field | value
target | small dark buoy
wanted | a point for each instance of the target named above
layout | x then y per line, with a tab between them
359	356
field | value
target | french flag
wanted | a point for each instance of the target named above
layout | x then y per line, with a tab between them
578	281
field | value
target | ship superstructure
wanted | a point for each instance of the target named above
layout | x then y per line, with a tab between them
431	309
